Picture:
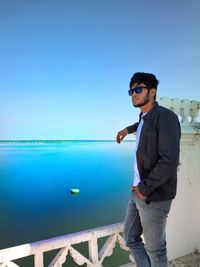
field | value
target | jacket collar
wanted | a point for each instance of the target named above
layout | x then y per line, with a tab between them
151	112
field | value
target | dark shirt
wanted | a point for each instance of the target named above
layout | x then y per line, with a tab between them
158	153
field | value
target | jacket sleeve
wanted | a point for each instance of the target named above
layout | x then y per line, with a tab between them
132	128
168	153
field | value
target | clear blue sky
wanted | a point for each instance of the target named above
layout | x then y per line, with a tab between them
65	65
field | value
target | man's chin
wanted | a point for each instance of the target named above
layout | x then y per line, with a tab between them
138	105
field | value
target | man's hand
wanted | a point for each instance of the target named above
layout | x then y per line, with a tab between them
140	196
120	135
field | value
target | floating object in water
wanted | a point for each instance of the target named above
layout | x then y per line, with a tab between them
75	191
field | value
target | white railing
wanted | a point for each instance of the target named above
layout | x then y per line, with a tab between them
65	244
187	110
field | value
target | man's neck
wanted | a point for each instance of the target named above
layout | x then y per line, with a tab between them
147	107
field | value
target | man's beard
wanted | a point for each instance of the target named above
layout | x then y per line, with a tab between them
145	101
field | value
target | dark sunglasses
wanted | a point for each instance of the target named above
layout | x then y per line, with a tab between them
137	90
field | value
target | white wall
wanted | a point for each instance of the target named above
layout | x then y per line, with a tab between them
183	227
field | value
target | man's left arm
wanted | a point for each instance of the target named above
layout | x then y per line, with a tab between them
168	151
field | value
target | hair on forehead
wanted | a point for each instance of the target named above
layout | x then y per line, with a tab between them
148	79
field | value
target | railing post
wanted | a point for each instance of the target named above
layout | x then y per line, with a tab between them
38	260
93	252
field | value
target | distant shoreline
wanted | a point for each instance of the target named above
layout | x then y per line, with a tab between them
56	141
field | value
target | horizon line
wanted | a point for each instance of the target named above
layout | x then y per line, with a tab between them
59	140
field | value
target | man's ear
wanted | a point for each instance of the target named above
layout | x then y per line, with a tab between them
152	92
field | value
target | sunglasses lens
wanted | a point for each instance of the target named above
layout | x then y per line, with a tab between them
138	90
130	92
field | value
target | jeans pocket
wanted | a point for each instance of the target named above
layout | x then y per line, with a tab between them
162	207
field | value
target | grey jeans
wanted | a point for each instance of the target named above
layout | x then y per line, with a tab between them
149	220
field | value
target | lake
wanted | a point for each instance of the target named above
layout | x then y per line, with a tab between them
35	183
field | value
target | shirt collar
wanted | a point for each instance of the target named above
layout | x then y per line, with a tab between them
147	115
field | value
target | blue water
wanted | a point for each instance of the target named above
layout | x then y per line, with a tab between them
35	183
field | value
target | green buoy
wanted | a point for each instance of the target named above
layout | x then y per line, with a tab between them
75	191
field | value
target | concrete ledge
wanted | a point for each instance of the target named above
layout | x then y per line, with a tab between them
190	260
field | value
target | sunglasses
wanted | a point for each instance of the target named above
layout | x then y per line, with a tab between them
137	90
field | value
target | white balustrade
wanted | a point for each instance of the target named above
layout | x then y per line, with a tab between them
65	244
186	109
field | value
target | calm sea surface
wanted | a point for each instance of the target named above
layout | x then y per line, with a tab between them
35	183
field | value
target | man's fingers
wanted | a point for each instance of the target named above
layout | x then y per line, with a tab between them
118	138
140	196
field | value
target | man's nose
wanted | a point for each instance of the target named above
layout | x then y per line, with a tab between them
134	93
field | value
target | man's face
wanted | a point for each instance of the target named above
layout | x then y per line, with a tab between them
142	98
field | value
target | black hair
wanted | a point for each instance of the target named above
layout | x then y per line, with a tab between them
148	79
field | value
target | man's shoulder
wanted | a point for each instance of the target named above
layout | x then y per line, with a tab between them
163	111
166	117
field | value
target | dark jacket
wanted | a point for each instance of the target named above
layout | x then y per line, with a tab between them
158	153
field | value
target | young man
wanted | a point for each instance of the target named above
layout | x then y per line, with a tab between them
155	173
